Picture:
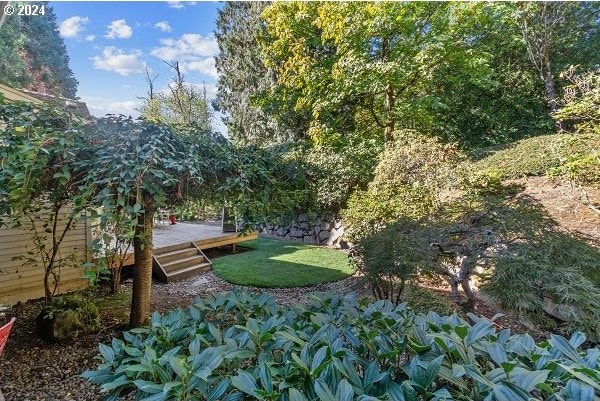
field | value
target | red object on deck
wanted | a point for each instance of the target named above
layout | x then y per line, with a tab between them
4	332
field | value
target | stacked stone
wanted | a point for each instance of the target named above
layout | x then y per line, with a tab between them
310	228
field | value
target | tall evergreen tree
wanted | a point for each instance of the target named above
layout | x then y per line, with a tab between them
244	76
33	55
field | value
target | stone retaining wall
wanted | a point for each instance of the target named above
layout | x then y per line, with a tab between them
310	228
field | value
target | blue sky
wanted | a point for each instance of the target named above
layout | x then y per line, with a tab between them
111	43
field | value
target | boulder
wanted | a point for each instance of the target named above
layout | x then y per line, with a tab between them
310	239
326	225
562	312
296	233
324	235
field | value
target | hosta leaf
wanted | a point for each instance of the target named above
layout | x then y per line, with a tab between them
560	343
296	395
218	391
395	391
155	397
344	391
527	380
577	339
578	374
318	359
497	353
107	353
479	330
245	383
149	387
323	391
577	391
507	392
178	366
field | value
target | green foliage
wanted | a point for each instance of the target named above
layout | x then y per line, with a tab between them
183	104
33	54
40	181
68	317
243	76
526	157
335	171
238	347
370	210
408	181
550	269
276	264
391	257
581	102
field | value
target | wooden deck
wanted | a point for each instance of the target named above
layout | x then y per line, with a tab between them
202	235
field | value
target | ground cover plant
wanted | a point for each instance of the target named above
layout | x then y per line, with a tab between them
235	346
276	263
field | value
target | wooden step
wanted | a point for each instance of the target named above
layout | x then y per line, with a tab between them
164	258
188	271
182	263
170	248
175	262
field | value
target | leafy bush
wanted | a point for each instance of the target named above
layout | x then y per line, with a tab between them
369	211
68	317
391	257
527	157
549	280
237	347
411	173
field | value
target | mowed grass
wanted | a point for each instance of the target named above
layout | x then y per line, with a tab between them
275	263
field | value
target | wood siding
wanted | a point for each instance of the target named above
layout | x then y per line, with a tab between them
21	281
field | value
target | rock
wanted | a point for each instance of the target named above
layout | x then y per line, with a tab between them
310	239
282	232
304	225
303	218
344	244
337	224
296	233
269	226
562	312
326	225
324	235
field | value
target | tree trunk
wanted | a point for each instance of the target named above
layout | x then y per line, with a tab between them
389	105
116	280
546	75
142	274
389	96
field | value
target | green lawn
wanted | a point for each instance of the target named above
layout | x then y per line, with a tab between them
275	263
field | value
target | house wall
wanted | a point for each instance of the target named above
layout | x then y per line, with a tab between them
21	281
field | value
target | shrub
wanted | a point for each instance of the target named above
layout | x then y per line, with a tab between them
411	173
235	347
549	280
368	211
68	317
391	257
527	157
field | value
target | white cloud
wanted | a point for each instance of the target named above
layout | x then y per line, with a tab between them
189	46
90	38
205	66
117	60
181	4
119	29
100	106
73	26
163	26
